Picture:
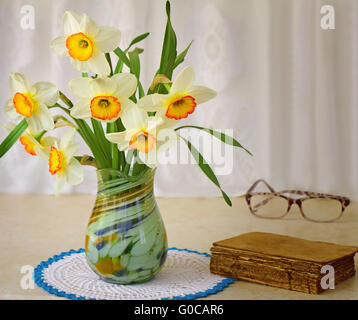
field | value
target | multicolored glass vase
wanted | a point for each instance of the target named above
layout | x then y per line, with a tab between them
126	241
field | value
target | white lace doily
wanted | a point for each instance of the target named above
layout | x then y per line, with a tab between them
185	275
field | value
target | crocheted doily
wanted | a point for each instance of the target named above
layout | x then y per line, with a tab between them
185	275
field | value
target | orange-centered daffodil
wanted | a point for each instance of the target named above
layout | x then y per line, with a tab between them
142	135
79	46
31	102
105	107
142	141
29	140
103	98
85	42
61	161
24	103
28	144
179	106
182	98
56	160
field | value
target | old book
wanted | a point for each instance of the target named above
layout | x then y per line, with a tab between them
281	261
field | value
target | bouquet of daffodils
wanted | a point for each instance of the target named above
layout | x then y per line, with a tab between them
124	128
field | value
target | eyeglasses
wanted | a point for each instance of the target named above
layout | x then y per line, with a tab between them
316	207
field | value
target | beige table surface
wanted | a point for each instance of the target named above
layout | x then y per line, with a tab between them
35	227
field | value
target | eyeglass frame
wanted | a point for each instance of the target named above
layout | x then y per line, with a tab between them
291	201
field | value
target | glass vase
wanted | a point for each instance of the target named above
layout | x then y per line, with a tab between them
126	241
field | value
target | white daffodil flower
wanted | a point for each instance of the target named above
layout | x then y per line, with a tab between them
103	98
31	102
142	135
29	141
182	98
60	157
84	42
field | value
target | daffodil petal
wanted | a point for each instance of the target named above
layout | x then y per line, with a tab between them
71	150
120	138
45	117
152	102
88	26
81	109
154	122
134	118
19	83
59	183
71	23
46	92
11	111
107	39
103	86
126	84
150	158
82	66
168	123
201	94
58	46
40	152
67	139
74	172
166	138
98	64
35	123
183	81
80	87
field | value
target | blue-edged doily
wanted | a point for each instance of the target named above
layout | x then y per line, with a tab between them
185	275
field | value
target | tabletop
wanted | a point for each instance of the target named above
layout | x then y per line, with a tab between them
35	227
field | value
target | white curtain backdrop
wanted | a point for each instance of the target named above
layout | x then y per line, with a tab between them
287	88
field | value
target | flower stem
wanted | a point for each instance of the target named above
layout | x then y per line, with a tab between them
108	57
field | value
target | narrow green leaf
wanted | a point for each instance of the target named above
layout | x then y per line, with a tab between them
169	50
206	169
112	127
219	135
137	39
108	58
99	136
180	58
12	137
134	63
141	93
122	56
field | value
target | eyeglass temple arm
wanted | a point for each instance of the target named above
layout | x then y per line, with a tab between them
257	182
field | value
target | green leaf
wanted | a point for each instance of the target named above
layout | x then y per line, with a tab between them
99	136
134	63
219	135
180	58
112	127
108	58
122	56
169	50
137	39
206	169
12	137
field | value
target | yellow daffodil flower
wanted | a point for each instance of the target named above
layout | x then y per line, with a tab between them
61	161
84	42
103	98
31	102
142	135
182	98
